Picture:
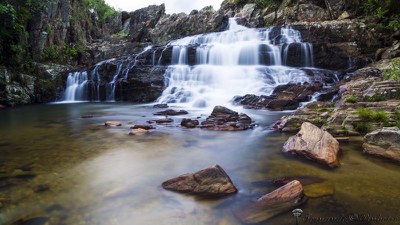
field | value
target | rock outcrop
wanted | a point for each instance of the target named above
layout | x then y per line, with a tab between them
224	119
383	143
315	144
281	200
189	123
171	112
209	182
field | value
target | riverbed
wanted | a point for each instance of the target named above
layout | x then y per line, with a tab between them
66	169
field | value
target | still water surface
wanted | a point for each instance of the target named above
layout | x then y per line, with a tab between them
71	170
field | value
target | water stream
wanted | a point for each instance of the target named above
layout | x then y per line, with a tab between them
98	175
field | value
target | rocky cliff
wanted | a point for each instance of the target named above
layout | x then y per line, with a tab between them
343	39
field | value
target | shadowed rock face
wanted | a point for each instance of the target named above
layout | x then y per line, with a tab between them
315	144
281	200
209	182
171	112
224	119
189	123
384	143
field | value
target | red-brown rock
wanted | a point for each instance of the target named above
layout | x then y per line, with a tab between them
209	182
315	144
281	200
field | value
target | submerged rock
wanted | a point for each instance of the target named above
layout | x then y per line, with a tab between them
161	121
319	190
113	124
160	106
171	112
315	144
189	123
281	200
138	131
224	119
280	181
143	126
384	143
209	182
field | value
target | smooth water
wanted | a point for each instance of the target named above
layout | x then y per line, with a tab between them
98	175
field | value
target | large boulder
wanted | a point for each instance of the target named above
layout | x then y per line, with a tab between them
315	144
209	182
224	119
384	143
281	200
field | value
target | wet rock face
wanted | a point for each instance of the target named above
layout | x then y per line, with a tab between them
224	119
384	143
284	97
281	200
189	123
171	112
315	144
144	84
209	182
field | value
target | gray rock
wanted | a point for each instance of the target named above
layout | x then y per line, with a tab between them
384	143
209	182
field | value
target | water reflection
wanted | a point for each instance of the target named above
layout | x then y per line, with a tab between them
98	175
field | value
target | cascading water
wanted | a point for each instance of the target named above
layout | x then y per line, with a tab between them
81	87
235	62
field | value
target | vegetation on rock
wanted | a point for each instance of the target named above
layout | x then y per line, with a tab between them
394	72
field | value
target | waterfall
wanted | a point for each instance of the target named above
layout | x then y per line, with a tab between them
81	87
235	62
76	86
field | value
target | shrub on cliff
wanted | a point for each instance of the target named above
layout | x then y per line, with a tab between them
394	72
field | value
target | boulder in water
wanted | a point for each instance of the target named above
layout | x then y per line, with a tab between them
224	119
143	126
209	182
189	123
281	200
383	143
138	131
113	124
161	121
315	144
171	112
160	106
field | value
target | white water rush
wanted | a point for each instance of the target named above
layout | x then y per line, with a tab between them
235	62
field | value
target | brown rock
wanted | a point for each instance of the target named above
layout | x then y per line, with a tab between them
160	106
210	182
161	121
281	200
171	112
113	124
189	123
224	119
384	143
143	126
315	144
138	131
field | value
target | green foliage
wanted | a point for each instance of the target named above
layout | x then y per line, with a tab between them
62	53
351	99
386	10
260	3
13	36
103	10
394	72
367	115
121	34
396	115
376	98
362	127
